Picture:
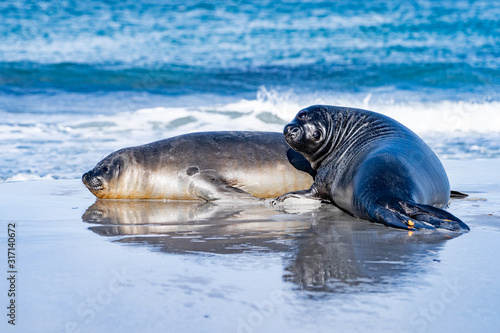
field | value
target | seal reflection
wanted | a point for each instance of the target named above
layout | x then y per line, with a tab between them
324	248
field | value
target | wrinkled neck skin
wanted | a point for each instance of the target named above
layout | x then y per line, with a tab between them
350	134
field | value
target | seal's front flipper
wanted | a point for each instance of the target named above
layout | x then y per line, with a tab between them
311	193
210	186
299	162
437	217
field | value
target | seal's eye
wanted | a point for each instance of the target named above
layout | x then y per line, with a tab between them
316	135
302	115
105	170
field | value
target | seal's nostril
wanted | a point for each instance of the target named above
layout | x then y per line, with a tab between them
290	130
86	176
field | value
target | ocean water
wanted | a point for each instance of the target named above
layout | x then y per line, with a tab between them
79	79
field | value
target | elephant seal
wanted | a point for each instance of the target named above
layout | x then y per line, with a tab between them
372	167
202	166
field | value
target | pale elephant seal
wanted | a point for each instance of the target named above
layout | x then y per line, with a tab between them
372	167
202	166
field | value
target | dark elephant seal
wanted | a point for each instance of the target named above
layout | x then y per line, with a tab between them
202	166
372	167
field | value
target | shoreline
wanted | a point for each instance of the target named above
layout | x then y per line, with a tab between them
471	176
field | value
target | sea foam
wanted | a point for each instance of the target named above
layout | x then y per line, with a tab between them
66	145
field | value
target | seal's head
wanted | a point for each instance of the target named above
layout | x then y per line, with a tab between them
98	180
309	133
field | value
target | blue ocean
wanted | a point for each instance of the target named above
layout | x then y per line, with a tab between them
79	79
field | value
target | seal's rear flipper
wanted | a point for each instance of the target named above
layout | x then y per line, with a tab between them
458	195
392	218
416	216
437	217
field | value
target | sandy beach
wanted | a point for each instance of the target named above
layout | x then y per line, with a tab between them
87	266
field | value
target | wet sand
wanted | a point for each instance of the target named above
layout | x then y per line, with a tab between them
114	266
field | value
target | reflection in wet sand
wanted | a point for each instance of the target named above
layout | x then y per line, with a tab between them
347	255
192	226
324	248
